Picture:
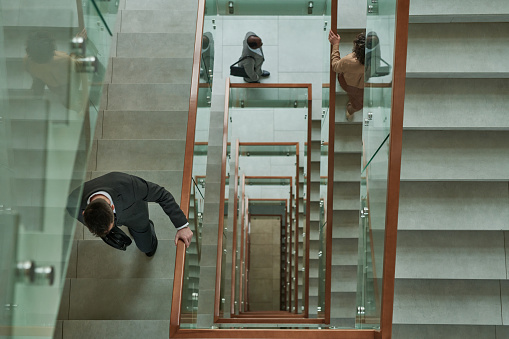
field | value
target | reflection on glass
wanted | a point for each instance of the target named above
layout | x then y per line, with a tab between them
52	70
375	134
271	126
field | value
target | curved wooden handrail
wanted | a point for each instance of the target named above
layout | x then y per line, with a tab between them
178	281
394	170
330	171
219	261
234	233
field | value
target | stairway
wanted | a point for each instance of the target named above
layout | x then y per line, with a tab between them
141	130
345	232
451	270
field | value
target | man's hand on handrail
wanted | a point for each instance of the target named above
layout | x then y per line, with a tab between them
185	235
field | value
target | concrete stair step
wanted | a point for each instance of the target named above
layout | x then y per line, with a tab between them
430	301
344	278
148	97
451	255
454	205
343	305
174	5
140	155
436	11
148	297
345	224
105	262
348	138
152	70
346	196
473	104
347	167
455	155
36	15
415	331
158	21
449	49
140	125
157	45
345	252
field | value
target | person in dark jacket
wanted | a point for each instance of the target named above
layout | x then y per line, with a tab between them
117	199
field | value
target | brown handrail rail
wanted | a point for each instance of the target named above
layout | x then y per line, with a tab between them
394	170
296	273
219	261
178	281
308	204
330	171
234	233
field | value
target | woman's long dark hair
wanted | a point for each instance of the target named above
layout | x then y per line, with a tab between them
359	45
40	46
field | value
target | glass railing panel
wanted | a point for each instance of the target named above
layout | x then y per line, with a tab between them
378	75
376	130
106	10
372	233
272	8
47	128
268	97
286	105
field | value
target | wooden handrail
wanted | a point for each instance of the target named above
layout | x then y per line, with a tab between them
178	281
219	261
234	233
277	333
243	221
308	203
330	171
394	170
297	231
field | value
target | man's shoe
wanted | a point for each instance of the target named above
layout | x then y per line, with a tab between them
151	253
265	74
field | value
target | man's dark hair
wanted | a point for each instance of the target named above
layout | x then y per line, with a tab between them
205	42
252	41
40	47
359	45
98	217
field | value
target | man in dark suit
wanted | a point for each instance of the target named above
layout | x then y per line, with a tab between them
117	199
253	53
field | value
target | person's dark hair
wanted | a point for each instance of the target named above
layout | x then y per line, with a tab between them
205	42
359	45
98	216
40	47
252	41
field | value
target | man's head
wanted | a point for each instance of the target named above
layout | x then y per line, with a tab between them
98	217
205	42
254	41
40	47
359	45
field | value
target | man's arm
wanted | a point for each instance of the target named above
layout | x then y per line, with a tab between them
151	192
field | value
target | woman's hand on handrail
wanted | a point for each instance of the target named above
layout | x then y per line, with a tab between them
334	38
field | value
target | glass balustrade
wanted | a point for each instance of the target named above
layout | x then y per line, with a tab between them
52	63
375	135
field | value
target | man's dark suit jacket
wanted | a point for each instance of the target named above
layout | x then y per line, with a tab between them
127	191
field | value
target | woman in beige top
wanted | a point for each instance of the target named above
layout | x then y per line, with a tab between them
350	71
54	69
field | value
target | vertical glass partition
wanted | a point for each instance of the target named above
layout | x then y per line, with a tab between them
52	62
380	36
